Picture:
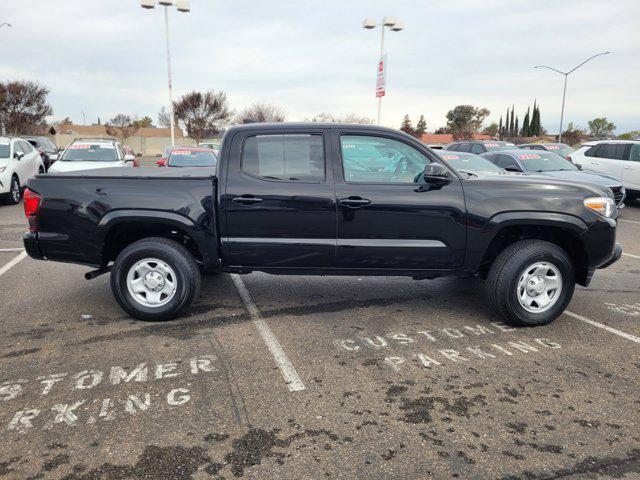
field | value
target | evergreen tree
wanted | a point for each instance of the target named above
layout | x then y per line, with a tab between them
407	126
500	132
526	132
511	124
421	127
534	120
516	130
506	125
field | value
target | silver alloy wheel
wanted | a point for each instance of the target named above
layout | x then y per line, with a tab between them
151	282
15	190
539	287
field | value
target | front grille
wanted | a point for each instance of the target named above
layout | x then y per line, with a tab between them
617	194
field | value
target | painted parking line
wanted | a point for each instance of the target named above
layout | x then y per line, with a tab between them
11	249
628	221
609	329
630	255
13	262
291	377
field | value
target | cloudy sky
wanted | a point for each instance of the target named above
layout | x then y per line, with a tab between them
104	57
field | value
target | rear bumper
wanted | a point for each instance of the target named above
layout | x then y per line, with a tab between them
30	240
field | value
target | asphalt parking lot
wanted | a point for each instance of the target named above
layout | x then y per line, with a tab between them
308	377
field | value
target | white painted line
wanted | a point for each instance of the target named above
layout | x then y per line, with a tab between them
609	329
6	268
291	377
630	255
629	221
11	249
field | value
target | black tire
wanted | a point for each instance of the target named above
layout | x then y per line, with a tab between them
173	254
15	192
510	265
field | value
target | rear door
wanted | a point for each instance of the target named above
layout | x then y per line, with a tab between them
609	159
279	203
631	169
388	219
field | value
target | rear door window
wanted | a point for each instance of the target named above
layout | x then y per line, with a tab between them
288	157
635	152
592	151
477	148
506	161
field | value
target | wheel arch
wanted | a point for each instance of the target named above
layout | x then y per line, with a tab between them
560	229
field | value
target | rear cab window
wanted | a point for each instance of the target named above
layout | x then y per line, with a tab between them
291	157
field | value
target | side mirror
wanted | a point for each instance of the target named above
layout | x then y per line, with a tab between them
579	166
129	158
18	155
436	174
138	155
161	163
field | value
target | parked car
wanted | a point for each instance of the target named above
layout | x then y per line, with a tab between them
468	162
129	151
618	158
191	157
213	146
92	153
48	150
287	202
558	148
479	146
19	161
162	161
552	165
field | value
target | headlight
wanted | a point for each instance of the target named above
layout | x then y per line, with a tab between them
602	205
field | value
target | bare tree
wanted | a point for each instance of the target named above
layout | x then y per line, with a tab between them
347	118
122	127
23	106
261	112
164	118
203	113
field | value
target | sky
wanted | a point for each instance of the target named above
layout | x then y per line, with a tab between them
104	57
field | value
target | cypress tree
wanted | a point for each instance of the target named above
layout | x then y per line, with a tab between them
534	119
500	128
526	132
516	129
506	125
511	124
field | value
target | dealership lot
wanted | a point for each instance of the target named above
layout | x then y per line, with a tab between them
308	377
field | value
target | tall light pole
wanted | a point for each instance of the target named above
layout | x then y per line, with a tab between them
181	6
395	26
564	91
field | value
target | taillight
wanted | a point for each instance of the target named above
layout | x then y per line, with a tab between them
31	206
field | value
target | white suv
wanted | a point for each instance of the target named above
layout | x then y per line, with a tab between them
19	161
91	153
618	158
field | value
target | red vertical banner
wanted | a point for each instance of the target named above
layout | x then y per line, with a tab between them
381	76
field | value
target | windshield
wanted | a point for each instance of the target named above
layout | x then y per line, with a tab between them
562	150
4	150
493	147
90	152
545	162
470	163
192	158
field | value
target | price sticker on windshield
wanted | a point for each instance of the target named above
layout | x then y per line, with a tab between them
450	157
80	146
552	147
181	152
491	144
528	156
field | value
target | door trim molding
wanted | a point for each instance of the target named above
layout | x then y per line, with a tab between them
343	242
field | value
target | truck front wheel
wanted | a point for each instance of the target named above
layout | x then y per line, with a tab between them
531	282
155	279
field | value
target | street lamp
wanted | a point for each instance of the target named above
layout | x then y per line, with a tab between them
564	92
181	6
394	26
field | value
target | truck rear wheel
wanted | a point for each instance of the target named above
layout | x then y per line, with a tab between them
155	279
531	282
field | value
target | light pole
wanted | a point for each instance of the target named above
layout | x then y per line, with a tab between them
181	6
564	91
395	26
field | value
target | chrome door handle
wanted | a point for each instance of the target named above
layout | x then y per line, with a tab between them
247	200
354	202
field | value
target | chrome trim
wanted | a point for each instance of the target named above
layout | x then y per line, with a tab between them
344	242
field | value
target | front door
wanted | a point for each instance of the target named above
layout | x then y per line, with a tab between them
279	203
388	218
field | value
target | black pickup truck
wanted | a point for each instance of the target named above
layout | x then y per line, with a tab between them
324	199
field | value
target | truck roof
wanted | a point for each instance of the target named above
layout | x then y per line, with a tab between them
307	125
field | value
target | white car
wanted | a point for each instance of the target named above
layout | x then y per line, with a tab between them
19	161
91	153
617	158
